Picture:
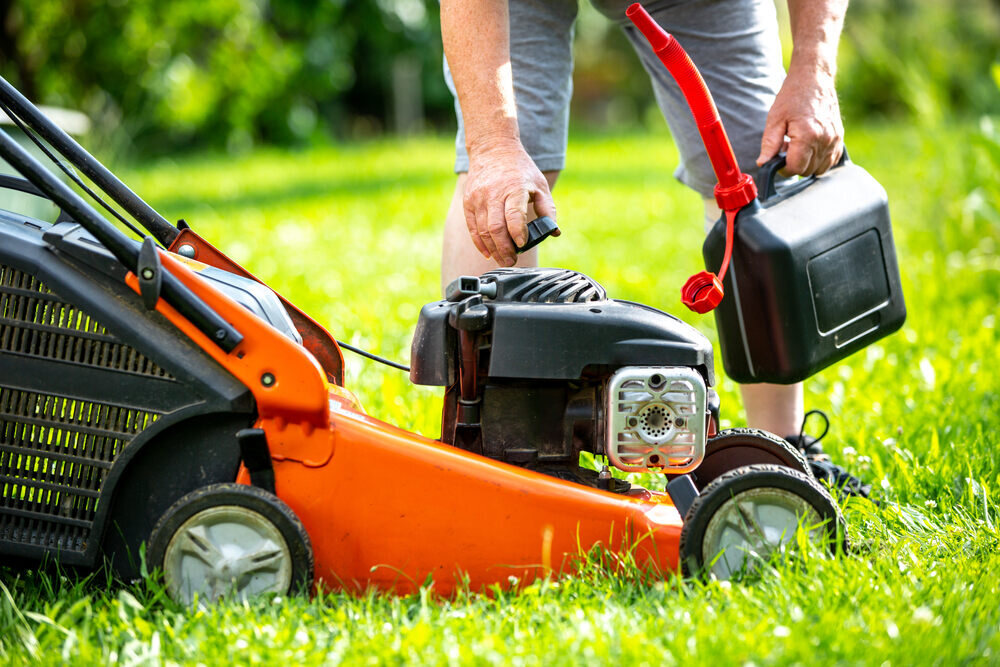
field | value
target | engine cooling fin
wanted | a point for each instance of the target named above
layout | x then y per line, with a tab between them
544	286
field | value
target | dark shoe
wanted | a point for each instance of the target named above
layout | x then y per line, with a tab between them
823	469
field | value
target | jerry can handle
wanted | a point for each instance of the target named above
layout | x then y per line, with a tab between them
770	169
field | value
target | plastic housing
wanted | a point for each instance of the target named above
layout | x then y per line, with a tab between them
813	277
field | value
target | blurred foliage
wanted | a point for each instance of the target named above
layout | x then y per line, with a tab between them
231	73
920	59
915	60
219	72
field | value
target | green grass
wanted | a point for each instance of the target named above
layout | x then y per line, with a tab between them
351	234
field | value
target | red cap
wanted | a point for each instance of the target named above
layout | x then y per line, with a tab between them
736	196
702	292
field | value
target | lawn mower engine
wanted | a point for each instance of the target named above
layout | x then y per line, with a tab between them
540	365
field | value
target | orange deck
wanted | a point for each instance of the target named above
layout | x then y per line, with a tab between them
386	508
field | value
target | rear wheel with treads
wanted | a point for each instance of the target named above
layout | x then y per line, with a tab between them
738	447
231	539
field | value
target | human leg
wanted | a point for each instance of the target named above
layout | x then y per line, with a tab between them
734	44
777	408
541	62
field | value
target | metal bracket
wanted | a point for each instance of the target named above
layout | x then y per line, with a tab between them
150	273
257	457
682	491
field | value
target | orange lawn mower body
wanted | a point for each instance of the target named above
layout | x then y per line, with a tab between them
436	511
157	394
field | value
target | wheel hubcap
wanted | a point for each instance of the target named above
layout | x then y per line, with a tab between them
226	549
752	525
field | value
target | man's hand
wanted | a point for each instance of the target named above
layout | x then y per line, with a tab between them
502	181
805	111
806	108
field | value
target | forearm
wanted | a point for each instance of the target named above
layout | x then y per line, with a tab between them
816	27
804	120
476	41
502	180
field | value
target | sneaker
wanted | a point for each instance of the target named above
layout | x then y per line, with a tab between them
822	467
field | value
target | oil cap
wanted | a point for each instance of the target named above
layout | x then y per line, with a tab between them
539	229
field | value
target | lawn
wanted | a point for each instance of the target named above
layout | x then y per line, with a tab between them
351	234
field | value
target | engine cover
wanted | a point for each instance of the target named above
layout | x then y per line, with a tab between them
540	366
555	324
656	418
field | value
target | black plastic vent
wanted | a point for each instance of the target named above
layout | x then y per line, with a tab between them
544	286
54	455
34	322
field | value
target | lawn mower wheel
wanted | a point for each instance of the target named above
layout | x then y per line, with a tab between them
738	447
231	539
746	515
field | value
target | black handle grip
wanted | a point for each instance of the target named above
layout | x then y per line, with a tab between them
770	169
538	230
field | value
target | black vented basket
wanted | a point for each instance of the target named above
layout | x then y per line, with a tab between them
108	414
56	451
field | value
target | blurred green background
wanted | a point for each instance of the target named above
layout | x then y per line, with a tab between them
159	77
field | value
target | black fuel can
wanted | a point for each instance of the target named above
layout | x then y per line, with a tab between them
813	276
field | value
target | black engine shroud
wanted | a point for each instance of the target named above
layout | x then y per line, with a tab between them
526	355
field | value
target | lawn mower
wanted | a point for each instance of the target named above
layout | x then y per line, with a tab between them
155	393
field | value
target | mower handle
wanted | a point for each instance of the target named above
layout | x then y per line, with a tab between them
20	185
176	293
143	213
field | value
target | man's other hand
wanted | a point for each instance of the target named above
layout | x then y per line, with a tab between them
805	122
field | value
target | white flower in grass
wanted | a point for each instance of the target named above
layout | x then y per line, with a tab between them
782	631
923	614
927	373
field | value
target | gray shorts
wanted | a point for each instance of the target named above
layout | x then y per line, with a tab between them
734	43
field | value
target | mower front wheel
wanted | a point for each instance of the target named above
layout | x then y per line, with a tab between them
747	515
230	539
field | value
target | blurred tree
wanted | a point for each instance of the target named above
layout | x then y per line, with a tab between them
163	75
923	60
221	72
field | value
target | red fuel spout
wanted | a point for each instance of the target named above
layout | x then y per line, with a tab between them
703	291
